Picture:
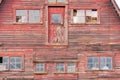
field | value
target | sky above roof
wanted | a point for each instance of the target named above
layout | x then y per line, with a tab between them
118	3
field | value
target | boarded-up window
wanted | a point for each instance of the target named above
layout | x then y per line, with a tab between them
39	67
85	16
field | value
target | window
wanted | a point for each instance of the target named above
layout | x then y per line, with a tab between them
93	63
85	16
106	63
28	16
10	63
99	63
39	67
71	67
56	18
66	67
15	63
60	67
3	63
56	1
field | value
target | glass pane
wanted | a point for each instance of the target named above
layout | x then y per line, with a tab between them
78	16
105	63
5	62
61	0
52	1
15	63
93	63
71	67
34	16
40	67
60	67
56	18
21	15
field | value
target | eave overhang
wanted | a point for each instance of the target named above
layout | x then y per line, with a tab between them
0	1
115	4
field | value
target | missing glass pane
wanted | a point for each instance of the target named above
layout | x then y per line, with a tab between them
74	12
91	16
1	59
21	16
56	18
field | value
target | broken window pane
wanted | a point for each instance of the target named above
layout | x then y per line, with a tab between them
78	16
21	16
91	16
85	16
40	67
71	67
3	63
60	67
34	16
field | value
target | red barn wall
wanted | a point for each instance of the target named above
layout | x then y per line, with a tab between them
83	40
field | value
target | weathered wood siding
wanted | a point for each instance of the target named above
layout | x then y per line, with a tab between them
83	40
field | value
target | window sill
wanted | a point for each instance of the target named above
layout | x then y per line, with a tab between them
41	23
40	73
12	71
66	72
100	70
85	23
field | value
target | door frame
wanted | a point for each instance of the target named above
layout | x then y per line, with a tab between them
65	24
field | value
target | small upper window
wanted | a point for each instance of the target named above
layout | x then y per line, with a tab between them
28	16
56	1
85	16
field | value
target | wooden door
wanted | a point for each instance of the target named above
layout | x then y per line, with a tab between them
56	29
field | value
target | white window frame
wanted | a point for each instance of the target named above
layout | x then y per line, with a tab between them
74	18
15	63
28	16
39	66
71	67
60	66
100	63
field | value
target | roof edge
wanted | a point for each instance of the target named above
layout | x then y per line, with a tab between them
0	1
116	7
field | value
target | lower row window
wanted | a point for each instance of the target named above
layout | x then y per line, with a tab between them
60	67
99	63
10	63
